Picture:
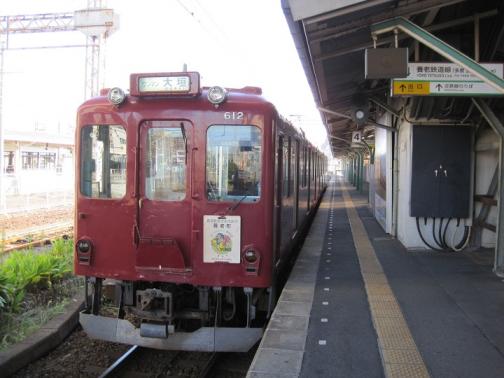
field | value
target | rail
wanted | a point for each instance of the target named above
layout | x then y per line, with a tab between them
125	365
34	236
119	362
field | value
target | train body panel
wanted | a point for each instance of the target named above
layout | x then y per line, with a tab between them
189	208
156	223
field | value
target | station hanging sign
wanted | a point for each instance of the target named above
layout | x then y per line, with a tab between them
356	139
444	79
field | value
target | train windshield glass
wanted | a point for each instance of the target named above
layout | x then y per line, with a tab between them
233	163
103	161
166	163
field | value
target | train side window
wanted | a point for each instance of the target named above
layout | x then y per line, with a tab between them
305	167
293	161
312	167
233	163
285	162
165	170
103	161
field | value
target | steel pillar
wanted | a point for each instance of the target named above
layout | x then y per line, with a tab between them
94	62
361	171
358	175
354	171
498	127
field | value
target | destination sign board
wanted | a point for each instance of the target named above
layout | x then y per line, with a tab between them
444	79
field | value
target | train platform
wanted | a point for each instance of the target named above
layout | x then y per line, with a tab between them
358	304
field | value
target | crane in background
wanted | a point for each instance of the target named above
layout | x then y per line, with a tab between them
96	22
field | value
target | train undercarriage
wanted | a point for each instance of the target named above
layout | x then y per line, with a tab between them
175	316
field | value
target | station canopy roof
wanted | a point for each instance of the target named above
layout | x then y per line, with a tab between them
332	35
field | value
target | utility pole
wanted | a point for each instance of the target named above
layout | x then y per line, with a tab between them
96	22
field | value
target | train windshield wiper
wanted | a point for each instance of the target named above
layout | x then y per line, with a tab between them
235	206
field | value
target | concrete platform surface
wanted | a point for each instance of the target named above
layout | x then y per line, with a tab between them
358	304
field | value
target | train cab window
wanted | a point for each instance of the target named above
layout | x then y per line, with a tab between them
233	163
103	161
165	178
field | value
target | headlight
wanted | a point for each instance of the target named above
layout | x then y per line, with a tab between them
84	249
250	256
216	95
84	246
116	96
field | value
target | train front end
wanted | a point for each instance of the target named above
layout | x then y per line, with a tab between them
173	223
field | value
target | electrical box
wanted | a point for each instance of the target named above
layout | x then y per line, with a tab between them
441	171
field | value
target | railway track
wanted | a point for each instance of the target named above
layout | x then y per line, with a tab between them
79	356
34	236
138	362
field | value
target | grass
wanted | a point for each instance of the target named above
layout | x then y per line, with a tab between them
34	286
16	327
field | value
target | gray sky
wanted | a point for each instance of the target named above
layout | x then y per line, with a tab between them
232	43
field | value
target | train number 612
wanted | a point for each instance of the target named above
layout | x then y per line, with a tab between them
233	115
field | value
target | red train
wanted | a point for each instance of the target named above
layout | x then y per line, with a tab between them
188	202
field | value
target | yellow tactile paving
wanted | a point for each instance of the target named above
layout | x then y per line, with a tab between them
388	308
405	370
399	353
401	356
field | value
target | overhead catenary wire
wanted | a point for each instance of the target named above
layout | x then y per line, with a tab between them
198	20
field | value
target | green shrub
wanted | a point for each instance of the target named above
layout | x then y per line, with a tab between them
24	271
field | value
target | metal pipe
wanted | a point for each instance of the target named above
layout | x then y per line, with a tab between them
385	107
45	47
381	126
395	181
476	37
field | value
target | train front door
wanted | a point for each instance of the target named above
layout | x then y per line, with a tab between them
164	206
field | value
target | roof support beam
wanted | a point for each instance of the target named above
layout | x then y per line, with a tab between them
388	40
441	47
384	106
406	8
332	112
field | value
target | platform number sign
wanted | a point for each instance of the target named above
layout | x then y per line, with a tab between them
356	138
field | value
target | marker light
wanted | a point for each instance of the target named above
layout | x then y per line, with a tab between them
216	95
84	245
116	96
250	255
84	251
